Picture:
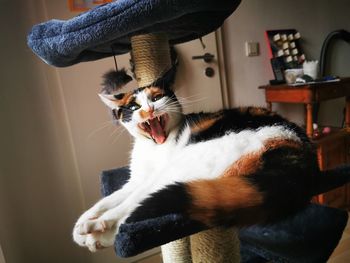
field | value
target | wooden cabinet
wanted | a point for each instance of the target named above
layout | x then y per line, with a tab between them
333	149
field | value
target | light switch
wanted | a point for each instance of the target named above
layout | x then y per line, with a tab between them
251	49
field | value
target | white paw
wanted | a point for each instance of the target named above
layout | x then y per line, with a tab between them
81	228
93	213
97	241
94	225
94	240
97	227
79	239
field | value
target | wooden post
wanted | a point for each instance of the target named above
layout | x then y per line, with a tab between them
347	112
269	106
309	120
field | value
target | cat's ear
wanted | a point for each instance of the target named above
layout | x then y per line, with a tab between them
110	100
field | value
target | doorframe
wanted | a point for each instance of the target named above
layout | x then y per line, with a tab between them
219	36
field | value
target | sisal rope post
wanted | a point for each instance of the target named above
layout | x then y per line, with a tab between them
219	245
151	56
178	251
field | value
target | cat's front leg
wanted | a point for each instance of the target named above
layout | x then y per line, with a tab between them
98	219
83	226
110	220
100	233
114	217
108	202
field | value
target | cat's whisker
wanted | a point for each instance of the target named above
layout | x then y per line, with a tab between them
192	97
118	136
171	105
105	125
189	103
168	109
186	101
118	129
173	108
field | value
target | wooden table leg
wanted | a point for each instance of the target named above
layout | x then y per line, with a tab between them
309	120
269	106
347	112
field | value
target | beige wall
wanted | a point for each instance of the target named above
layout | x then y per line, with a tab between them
52	147
314	19
39	188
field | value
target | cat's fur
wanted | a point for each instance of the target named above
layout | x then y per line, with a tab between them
233	167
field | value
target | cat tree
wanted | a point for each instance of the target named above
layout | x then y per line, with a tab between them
147	28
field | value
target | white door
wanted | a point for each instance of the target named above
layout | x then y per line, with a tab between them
203	92
77	139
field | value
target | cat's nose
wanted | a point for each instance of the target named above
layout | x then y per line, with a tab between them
149	109
147	112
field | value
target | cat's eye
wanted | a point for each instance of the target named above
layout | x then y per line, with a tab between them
157	97
133	106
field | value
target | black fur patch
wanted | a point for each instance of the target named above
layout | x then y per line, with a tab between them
167	80
172	199
171	95
125	114
237	120
119	96
116	114
286	180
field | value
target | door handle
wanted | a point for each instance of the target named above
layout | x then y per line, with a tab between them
207	57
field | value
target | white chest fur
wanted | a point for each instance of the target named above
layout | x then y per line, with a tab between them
182	162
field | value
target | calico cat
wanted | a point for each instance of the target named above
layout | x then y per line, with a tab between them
238	166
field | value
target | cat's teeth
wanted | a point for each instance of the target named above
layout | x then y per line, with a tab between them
158	118
148	122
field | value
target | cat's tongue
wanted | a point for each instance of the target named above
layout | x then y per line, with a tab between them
157	131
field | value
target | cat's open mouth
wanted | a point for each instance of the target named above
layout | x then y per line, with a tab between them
155	127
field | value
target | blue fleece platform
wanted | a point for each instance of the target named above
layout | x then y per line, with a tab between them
92	35
310	236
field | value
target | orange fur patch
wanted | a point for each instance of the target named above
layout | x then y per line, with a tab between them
146	114
125	100
251	163
246	165
223	195
205	123
273	144
232	192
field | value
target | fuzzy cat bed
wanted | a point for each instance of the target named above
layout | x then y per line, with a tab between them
108	28
309	236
